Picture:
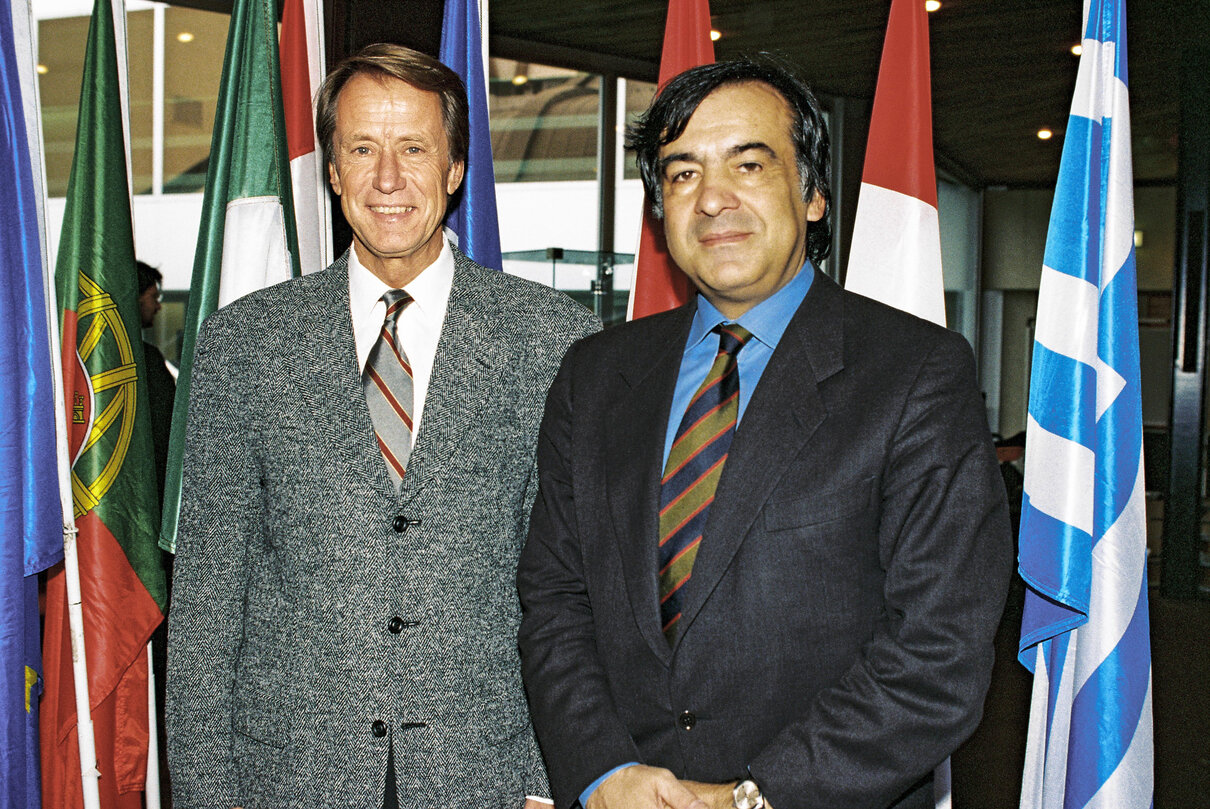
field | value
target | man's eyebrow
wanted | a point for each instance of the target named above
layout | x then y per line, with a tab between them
674	158
756	145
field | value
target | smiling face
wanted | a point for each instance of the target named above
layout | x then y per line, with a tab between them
734	216
392	171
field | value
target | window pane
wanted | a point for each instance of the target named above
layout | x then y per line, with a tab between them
140	29
638	98
194	44
543	122
61	69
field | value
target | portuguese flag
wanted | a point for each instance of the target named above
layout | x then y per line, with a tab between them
113	476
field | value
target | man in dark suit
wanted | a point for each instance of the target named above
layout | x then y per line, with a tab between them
794	612
344	615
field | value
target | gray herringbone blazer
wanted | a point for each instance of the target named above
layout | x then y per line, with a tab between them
289	675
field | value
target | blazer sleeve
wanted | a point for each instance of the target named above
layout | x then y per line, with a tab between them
577	725
218	511
943	538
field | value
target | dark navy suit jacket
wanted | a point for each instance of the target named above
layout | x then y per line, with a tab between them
837	634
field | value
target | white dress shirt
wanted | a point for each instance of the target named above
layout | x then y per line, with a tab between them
418	328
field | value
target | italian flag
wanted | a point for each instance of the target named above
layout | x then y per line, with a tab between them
658	283
113	480
247	239
895	255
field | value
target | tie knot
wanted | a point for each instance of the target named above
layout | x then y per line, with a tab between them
396	300
731	338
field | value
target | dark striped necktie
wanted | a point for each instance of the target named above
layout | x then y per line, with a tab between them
691	474
388	385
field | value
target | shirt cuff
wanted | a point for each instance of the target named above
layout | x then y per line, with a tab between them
587	793
546	801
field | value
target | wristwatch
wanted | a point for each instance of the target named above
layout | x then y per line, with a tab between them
746	795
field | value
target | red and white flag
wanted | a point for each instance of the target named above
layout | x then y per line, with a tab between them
302	69
895	255
658	283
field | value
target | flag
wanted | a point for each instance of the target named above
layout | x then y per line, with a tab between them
31	519
1083	550
473	217
895	253
113	471
247	238
658	283
301	72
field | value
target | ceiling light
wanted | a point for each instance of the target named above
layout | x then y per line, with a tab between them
184	36
43	70
1077	49
932	5
520	79
1045	134
715	34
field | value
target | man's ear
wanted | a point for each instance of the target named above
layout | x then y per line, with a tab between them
334	178
816	207
453	176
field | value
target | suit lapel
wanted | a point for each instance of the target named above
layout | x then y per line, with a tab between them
458	377
336	367
634	453
783	414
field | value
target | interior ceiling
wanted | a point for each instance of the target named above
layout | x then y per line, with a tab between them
1000	70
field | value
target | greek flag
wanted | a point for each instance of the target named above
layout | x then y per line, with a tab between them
1083	533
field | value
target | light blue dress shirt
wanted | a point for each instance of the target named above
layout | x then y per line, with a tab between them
767	321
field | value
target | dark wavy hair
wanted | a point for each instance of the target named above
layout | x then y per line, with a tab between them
669	113
386	61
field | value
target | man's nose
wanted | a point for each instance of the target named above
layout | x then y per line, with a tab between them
716	193
387	174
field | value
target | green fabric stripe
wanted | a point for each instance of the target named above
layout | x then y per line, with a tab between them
248	158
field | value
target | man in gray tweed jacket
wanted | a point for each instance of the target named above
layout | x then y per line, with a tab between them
335	642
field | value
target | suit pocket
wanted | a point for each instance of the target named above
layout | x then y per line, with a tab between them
822	507
257	712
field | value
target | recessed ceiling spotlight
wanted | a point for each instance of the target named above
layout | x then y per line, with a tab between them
1045	134
715	34
932	5
1077	49
520	79
42	69
184	36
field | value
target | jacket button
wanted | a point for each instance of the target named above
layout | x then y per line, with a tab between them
400	524
687	720
379	728
395	625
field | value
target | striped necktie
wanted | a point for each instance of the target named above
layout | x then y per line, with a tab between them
388	385
692	472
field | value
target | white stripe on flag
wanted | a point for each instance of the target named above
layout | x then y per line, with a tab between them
1119	565
1119	203
1058	476
1124	788
254	247
1067	316
895	255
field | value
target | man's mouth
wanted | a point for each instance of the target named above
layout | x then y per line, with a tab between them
392	209
723	238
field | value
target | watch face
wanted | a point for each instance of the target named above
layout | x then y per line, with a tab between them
747	796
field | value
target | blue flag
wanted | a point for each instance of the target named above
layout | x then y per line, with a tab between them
31	520
473	219
1083	528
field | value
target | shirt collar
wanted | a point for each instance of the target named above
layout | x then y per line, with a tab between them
429	290
767	320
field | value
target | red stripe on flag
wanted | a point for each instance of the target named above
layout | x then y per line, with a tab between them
899	153
659	284
295	80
